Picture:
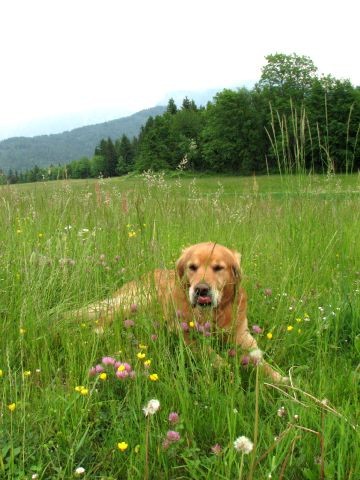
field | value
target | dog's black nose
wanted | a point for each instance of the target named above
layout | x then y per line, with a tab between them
202	289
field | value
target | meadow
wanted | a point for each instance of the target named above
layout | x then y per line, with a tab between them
68	410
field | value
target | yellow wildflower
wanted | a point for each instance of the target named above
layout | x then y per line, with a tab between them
147	363
269	335
141	355
122	446
84	391
27	373
12	407
132	234
22	331
142	347
154	377
289	328
191	324
103	376
1	373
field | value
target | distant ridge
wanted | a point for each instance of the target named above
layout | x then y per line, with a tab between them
22	153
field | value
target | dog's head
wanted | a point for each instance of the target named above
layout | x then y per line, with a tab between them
210	272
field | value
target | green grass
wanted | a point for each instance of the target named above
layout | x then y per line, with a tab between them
64	244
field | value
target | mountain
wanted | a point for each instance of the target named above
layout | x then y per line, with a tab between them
22	153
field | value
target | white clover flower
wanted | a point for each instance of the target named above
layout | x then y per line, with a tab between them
281	412
244	445
79	471
34	476
152	407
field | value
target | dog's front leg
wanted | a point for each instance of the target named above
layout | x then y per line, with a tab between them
246	341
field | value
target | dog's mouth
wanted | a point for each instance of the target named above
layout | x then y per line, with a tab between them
204	300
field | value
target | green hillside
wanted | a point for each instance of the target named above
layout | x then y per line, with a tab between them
22	153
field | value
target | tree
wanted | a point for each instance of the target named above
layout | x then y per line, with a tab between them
288	75
171	107
232	137
106	149
125	155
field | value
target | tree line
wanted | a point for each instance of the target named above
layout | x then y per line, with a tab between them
291	120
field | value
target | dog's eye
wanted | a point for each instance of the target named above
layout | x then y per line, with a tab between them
217	268
193	267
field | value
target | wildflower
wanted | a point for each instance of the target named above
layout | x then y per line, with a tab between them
34	476
172	436
82	390
142	347
40	235
79	471
12	407
173	417
256	356
122	373
27	373
245	360
154	337
281	412
184	326
122	446
269	336
154	377
256	329
1	373
191	324
141	355
147	363
289	328
132	234
216	449
108	361
95	370
103	376
298	320
22	331
243	444
133	307
128	323
152	407
232	352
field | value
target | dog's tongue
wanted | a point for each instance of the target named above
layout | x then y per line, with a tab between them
204	300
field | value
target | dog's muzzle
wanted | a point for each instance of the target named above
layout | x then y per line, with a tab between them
201	295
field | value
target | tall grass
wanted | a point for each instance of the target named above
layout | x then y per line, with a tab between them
64	244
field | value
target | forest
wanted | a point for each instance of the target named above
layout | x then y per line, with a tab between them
293	119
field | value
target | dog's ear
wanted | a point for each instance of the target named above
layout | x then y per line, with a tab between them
181	262
237	265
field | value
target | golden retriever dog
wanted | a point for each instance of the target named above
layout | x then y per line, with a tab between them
205	285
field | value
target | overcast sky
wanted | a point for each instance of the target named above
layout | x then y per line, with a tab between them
94	59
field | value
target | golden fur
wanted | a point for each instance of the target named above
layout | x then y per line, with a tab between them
205	283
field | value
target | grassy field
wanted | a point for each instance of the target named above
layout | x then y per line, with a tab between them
64	244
